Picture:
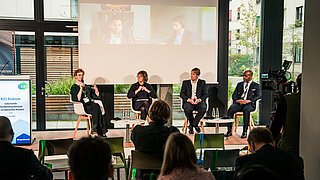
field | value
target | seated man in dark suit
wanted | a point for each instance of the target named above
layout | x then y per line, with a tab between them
285	165
194	93
16	162
244	99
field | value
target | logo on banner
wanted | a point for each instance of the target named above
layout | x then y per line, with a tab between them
23	86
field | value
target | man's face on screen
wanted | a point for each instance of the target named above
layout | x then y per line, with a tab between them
177	27
116	26
194	76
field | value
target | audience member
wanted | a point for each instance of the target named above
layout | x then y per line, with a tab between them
90	158
244	99
16	162
286	165
256	171
152	138
180	161
141	93
194	93
287	117
85	94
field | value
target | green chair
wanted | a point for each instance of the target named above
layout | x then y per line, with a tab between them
149	164
117	149
55	147
209	141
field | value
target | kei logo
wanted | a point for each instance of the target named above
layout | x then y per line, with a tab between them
23	86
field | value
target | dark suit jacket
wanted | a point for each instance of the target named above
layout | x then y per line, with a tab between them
186	90
186	38
151	138
286	165
254	93
20	163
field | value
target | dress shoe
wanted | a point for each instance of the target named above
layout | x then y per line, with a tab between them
244	135
197	129
191	130
229	133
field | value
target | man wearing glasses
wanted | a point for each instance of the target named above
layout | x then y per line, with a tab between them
244	99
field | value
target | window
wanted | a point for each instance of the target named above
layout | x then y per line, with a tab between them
230	15
229	38
238	33
299	16
16	9
297	55
238	15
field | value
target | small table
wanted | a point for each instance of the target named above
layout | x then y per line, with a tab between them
128	122
217	122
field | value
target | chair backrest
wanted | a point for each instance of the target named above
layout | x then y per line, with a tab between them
54	147
225	175
142	160
116	144
100	104
209	141
220	158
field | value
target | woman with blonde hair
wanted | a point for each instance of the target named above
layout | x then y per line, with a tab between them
180	161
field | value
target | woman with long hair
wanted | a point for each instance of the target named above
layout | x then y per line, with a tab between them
180	161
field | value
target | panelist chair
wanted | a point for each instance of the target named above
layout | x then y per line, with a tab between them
79	110
138	113
185	124
240	114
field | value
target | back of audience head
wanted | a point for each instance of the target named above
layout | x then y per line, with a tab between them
179	153
160	112
256	171
258	137
6	131
90	158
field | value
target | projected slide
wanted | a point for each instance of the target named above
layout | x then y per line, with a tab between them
15	105
165	38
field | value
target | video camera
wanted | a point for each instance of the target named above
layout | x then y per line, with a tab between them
277	81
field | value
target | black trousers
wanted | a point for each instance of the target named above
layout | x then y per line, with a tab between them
246	109
142	106
189	108
98	124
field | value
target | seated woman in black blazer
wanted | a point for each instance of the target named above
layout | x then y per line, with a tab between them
85	94
141	93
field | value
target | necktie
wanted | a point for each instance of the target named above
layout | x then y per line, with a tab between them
245	90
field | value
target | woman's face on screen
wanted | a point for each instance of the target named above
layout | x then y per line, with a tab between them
79	76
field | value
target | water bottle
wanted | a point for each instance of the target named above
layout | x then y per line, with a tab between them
123	114
128	114
213	113
217	113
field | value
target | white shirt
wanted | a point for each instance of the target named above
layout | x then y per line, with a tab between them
115	40
178	39
245	93
194	88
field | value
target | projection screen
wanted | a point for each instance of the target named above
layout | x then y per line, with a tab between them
166	38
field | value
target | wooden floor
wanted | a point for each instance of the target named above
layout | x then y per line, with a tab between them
232	141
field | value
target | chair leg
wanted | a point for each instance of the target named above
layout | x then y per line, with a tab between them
75	130
185	126
118	173
148	119
234	124
202	128
132	127
238	119
90	128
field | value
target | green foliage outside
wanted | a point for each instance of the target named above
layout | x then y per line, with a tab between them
238	63
121	88
176	88
59	87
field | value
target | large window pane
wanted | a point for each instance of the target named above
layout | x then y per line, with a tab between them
244	36
61	10
16	9
61	56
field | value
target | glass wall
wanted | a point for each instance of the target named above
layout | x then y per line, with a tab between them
244	37
17	9
293	35
61	10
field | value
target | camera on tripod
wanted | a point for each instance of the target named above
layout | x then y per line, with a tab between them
277	81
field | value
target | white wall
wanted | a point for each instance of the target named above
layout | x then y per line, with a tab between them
310	110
